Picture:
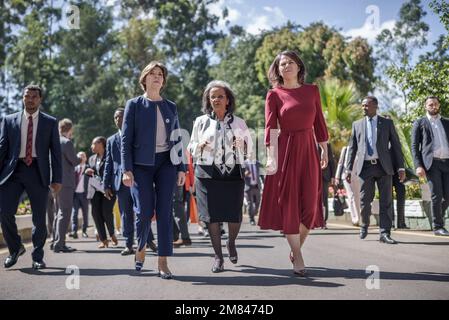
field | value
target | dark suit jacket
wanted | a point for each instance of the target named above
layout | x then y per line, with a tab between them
69	162
139	133
47	147
386	137
422	141
112	171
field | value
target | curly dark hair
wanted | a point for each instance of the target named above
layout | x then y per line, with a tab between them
207	107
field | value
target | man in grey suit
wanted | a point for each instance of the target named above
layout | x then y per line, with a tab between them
430	149
64	200
371	139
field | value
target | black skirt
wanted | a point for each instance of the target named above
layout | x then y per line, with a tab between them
220	198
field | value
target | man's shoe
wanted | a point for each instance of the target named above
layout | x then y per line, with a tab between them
127	252
64	249
363	232
403	226
182	242
252	222
52	246
441	232
73	235
12	259
385	238
152	246
37	265
85	235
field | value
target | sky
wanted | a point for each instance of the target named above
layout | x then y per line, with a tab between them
353	17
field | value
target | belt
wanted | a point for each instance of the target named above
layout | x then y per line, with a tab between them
372	161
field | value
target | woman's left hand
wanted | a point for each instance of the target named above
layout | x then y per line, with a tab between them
181	178
324	160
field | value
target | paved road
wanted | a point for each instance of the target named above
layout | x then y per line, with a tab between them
417	268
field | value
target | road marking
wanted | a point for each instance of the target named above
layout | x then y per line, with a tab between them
411	233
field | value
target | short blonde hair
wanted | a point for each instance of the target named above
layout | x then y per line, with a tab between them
148	69
65	125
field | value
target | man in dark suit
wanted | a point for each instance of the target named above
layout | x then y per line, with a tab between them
430	149
371	139
253	189
80	197
113	185
28	139
328	179
64	200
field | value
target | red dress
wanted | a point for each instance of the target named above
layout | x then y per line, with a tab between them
293	194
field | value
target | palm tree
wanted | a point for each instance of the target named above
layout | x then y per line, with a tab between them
338	100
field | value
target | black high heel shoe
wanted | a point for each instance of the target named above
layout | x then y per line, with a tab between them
235	258
218	266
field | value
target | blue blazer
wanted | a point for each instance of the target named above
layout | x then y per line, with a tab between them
47	145
112	177
139	133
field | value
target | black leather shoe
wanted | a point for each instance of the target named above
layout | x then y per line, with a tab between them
385	238
252	222
152	246
52	246
73	235
363	232
12	259
403	226
441	232
127	252
85	235
65	249
39	265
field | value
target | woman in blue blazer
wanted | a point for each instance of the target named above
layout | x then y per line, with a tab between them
152	162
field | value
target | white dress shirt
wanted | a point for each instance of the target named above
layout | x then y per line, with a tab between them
24	133
440	141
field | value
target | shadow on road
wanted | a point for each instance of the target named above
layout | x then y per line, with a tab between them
52	271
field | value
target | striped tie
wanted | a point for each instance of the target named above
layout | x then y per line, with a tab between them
29	146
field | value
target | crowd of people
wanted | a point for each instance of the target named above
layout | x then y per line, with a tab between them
145	169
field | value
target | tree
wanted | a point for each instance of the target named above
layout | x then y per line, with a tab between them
396	47
338	100
86	91
10	14
187	30
30	57
325	52
237	66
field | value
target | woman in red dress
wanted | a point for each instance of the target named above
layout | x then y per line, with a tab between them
291	200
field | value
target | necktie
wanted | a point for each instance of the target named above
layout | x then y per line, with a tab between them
29	145
370	137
